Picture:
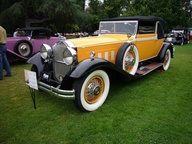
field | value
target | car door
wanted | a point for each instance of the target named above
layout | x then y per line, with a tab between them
149	40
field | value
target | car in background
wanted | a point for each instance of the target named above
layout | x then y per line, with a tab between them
97	32
80	69
179	36
28	42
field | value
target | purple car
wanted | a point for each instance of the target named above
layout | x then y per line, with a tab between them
28	42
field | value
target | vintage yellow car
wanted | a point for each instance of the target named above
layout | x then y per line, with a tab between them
79	68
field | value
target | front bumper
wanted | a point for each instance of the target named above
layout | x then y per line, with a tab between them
67	94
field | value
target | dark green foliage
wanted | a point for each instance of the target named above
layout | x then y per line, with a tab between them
173	11
70	15
57	14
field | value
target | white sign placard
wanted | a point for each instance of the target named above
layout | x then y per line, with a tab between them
31	79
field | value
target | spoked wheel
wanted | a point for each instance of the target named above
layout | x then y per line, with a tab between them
128	59
23	48
167	60
91	91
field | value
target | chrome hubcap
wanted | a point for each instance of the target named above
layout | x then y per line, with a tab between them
23	47
93	89
166	58
129	61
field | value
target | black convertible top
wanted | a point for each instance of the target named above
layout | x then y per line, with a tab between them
139	18
35	28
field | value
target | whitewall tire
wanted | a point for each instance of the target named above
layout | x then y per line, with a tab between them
128	59
167	60
92	90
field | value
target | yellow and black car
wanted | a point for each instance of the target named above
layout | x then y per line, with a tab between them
80	68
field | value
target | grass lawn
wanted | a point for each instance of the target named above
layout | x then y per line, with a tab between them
155	109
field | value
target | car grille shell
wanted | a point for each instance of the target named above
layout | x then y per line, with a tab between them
59	67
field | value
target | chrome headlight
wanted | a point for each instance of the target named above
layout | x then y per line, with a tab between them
69	56
45	51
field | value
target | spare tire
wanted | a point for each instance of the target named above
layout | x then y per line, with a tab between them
128	58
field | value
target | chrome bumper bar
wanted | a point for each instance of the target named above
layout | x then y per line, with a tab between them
67	94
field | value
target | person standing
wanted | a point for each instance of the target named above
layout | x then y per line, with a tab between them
4	64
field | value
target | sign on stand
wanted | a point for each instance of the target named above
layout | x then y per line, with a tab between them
31	81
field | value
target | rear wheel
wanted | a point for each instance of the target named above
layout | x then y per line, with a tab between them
167	60
91	90
23	48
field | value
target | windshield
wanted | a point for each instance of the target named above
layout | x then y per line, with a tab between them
24	33
118	27
178	31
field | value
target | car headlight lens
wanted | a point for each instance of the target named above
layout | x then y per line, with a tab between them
69	56
44	55
45	51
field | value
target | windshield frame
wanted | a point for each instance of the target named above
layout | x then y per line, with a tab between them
105	25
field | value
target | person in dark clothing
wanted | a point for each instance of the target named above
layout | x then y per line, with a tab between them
4	64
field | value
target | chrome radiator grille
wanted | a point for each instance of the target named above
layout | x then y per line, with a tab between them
59	67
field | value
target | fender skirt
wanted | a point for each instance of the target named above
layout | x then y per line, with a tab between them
166	46
36	60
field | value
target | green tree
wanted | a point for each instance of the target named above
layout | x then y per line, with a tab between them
171	10
107	9
116	7
58	14
65	13
96	10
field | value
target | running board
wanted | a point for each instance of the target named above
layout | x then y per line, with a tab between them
143	70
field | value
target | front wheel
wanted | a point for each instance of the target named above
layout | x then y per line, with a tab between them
91	90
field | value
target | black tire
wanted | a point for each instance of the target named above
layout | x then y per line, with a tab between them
23	48
128	59
91	90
